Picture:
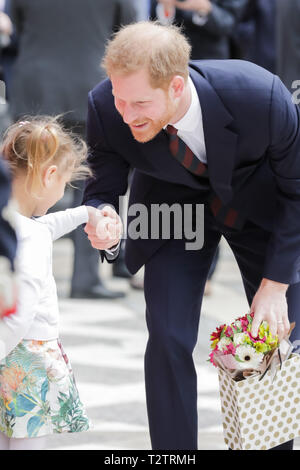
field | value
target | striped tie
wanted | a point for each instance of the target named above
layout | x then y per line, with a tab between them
227	216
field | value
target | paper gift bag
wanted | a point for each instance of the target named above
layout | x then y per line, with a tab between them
261	414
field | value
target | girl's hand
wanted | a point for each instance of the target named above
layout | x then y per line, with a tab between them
104	227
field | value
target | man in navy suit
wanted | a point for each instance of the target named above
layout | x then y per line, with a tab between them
221	133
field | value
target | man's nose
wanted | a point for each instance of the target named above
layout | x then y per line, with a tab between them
129	114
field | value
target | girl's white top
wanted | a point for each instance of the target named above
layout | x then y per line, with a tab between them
37	314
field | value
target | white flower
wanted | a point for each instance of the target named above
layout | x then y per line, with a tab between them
239	338
223	343
248	358
237	324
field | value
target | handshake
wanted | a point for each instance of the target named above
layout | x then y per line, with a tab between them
104	227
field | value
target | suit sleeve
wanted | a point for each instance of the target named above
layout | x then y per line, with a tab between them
283	254
110	170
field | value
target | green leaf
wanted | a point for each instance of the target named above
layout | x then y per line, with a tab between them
222	333
21	405
34	425
44	389
236	357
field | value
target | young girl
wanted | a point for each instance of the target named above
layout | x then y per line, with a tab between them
38	394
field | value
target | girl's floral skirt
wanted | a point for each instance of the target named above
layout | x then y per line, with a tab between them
38	394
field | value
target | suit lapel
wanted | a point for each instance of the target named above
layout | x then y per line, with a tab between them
163	165
220	142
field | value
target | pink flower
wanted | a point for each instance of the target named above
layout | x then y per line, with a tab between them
211	356
230	349
216	334
254	340
229	332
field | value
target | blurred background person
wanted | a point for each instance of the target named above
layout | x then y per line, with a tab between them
208	24
254	38
9	49
8	246
143	9
269	35
60	47
6	30
288	43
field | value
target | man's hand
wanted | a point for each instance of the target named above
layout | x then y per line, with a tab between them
203	7
104	227
270	304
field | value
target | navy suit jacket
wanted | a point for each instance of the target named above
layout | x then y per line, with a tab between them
252	139
7	236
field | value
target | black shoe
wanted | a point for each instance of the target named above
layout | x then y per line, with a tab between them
96	292
120	270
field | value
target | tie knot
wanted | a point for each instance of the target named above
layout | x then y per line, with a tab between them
171	130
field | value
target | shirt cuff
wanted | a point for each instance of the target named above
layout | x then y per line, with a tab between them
199	20
113	250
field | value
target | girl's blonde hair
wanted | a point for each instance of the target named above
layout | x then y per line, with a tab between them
163	50
33	143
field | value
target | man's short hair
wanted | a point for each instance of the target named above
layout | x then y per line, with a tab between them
162	50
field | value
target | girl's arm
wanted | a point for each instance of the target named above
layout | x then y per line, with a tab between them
60	223
31	271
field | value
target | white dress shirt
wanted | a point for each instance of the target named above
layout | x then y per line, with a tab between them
37	314
190	127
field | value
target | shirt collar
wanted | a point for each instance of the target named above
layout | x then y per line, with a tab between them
193	116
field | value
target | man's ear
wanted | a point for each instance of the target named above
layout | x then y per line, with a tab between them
177	86
49	174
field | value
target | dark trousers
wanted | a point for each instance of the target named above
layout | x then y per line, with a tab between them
174	285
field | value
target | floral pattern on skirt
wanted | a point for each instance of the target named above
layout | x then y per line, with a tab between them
38	393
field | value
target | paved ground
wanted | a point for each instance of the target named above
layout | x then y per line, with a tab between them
105	341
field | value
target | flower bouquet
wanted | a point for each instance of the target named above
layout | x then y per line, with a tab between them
258	411
237	351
